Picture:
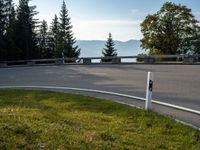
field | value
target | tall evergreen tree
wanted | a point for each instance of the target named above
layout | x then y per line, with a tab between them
2	21
2	30
10	31
5	9
54	37
43	40
66	39
26	40
109	50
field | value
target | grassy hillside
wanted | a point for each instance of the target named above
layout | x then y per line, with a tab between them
48	120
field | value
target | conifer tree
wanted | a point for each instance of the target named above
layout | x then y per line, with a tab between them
26	40
43	40
2	30
109	50
2	20
10	32
66	39
54	37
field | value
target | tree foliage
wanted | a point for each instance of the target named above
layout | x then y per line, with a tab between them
10	32
109	49
172	30
66	39
45	50
54	36
26	40
22	38
61	36
4	16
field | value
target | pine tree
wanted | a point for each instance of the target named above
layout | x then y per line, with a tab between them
43	40
54	37
2	21
109	50
26	40
66	39
2	30
10	31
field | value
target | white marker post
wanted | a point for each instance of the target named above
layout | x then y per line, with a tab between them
150	80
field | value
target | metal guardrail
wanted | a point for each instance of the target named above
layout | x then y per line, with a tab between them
179	59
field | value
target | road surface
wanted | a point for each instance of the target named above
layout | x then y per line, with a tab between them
174	84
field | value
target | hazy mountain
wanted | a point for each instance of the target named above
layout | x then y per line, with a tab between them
94	48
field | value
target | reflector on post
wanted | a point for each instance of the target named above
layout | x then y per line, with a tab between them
150	80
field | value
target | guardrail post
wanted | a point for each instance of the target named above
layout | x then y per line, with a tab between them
149	60
87	61
31	63
59	61
116	60
189	59
3	64
150	80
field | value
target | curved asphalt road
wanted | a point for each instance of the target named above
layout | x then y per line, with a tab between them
174	84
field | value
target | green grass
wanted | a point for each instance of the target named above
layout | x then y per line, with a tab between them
49	120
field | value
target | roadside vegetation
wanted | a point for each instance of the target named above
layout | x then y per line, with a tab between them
24	37
171	30
49	120
109	50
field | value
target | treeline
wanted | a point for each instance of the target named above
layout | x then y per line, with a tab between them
171	30
23	37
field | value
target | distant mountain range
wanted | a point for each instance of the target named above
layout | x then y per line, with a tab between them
94	48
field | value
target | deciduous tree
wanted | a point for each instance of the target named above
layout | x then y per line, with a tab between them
170	31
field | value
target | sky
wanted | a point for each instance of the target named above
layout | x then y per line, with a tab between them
94	19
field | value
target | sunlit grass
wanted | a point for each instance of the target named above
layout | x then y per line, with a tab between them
49	120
